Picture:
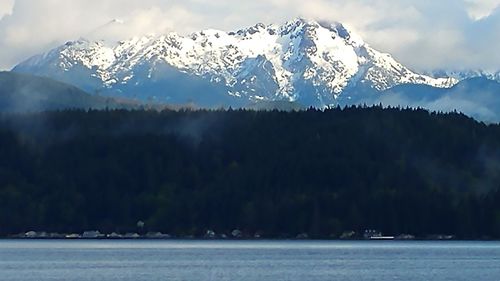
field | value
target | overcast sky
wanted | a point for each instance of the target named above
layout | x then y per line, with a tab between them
423	34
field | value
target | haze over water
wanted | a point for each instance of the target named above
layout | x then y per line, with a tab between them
252	261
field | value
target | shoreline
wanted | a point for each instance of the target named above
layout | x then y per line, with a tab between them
248	239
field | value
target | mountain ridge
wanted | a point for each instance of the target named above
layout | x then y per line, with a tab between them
29	93
309	62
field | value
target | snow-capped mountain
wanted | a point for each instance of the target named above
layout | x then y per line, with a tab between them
465	74
308	62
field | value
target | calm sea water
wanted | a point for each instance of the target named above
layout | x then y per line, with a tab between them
252	261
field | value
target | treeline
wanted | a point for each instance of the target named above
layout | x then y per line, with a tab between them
273	173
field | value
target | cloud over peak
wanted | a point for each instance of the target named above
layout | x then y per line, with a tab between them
424	34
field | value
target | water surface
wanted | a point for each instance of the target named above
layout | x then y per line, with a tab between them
37	260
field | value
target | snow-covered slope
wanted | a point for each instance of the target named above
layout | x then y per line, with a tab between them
466	74
304	61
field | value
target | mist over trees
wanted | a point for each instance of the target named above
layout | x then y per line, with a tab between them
273	173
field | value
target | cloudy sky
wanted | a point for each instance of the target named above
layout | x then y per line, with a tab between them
423	34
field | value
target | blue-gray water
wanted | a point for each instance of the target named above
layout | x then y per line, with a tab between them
252	261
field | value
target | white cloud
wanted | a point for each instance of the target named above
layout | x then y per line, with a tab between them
421	33
6	7
479	9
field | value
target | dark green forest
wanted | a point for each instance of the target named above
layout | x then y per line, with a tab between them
274	173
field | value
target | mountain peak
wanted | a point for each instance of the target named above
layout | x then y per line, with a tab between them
344	32
301	21
303	60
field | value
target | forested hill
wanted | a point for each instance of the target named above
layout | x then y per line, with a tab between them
273	173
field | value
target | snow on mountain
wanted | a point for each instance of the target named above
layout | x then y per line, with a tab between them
309	62
466	74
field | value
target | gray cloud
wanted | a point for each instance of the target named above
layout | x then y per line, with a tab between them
423	34
476	109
